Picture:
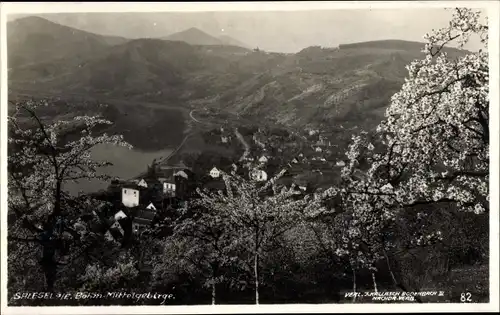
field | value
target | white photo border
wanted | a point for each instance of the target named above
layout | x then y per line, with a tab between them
493	9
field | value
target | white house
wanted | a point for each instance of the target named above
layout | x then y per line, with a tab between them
168	187
143	183
340	163
151	206
258	175
295	161
120	215
224	139
318	149
263	159
303	188
214	172
130	197
181	174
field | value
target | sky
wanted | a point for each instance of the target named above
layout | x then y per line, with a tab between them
279	31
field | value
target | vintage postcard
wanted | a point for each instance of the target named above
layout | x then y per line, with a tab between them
249	157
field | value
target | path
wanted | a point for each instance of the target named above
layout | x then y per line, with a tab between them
256	139
165	159
243	142
192	117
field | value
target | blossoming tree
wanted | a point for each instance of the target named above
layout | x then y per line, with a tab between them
257	212
43	156
433	146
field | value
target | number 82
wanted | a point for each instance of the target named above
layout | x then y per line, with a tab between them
465	297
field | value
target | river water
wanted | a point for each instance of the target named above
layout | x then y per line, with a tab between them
126	164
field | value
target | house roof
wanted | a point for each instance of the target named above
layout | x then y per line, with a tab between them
167	174
185	173
130	186
145	214
120	214
142	221
156	203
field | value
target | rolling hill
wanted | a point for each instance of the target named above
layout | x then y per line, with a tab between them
316	86
33	40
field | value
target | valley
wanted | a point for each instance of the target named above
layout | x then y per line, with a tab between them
166	95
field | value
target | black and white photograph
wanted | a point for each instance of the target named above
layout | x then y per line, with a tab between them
278	154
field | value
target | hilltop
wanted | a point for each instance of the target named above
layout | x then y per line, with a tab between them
194	36
34	40
316	87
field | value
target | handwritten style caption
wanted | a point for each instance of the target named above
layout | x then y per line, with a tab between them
164	297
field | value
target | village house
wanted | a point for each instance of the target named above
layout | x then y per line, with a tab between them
224	139
182	174
263	159
185	183
169	188
130	196
258	175
142	220
318	149
340	163
118	226
116	231
214	172
120	215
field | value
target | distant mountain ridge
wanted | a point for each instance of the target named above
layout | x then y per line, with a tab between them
195	36
316	86
36	40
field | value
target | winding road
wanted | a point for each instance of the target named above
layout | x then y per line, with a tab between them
243	142
192	117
